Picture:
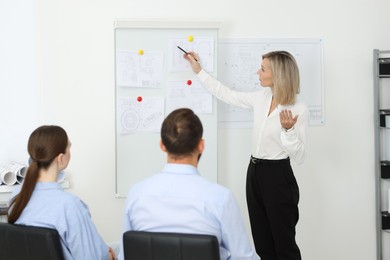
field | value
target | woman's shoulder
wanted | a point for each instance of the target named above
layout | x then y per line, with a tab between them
71	201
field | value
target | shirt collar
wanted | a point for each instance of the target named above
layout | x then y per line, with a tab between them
47	185
180	169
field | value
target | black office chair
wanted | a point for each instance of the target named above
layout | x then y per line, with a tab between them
140	245
19	242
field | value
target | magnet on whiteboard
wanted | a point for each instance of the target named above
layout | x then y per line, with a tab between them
139	98
141	52
190	38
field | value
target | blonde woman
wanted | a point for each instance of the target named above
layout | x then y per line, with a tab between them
279	133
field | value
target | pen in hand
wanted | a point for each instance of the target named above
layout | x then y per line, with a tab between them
186	52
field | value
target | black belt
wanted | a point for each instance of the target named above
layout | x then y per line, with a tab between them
255	160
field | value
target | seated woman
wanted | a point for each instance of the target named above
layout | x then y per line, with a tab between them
42	201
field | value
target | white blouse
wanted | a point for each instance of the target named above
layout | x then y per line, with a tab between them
270	140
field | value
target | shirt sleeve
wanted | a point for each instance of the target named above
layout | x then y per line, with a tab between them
82	238
294	141
224	93
234	236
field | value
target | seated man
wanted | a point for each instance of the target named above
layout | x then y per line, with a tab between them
178	199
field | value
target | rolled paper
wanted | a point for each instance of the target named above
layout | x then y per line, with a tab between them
8	178
19	179
12	173
22	172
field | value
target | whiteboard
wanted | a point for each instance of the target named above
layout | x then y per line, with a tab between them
138	153
240	59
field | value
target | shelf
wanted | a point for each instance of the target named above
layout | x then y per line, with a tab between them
5	188
384	67
382	117
385	220
382	170
9	189
385	169
3	209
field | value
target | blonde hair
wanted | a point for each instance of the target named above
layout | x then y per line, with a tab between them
285	75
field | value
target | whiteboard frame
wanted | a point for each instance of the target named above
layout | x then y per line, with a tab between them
157	24
208	166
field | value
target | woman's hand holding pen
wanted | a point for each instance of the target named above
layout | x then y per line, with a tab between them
193	59
287	120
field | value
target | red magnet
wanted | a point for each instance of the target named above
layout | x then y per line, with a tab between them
139	98
189	82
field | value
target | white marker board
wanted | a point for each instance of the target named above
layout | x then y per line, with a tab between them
138	154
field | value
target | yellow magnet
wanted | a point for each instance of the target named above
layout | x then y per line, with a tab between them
190	38
141	52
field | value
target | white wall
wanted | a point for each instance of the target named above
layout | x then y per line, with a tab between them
337	208
18	88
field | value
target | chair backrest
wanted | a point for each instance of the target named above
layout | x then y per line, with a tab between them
19	242
140	245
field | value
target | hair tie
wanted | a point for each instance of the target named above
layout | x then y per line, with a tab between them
32	160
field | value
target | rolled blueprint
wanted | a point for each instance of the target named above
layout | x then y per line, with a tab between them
12	173
8	178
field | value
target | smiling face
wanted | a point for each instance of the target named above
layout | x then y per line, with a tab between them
265	74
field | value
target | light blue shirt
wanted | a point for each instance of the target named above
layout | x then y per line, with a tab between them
179	200
50	206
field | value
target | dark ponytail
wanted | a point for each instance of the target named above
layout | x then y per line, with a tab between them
44	145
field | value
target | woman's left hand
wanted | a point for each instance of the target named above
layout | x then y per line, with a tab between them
287	120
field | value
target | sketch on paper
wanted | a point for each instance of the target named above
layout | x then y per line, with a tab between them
137	116
188	94
203	46
135	70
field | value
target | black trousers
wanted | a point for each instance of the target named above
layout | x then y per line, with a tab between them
272	196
